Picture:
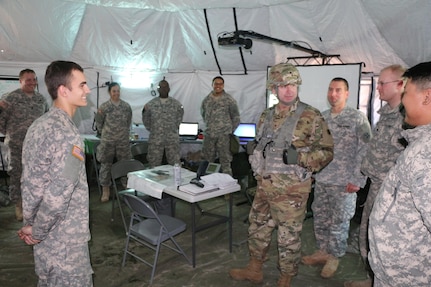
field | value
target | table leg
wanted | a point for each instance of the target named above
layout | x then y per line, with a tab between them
230	222
193	206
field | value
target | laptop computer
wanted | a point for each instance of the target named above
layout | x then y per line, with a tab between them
188	130
245	132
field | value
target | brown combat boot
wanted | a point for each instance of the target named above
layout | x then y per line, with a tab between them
18	210
330	267
363	283
318	257
252	272
106	192
284	280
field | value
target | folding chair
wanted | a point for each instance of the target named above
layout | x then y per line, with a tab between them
151	230
96	165
118	170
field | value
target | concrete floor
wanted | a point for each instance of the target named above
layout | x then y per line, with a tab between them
213	257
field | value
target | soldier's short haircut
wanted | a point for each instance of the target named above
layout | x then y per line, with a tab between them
396	69
113	84
163	81
59	73
218	77
25	71
420	75
339	79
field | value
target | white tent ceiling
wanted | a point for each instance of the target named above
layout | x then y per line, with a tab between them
178	39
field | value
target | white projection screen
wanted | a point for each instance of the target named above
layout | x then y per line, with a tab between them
8	84
315	82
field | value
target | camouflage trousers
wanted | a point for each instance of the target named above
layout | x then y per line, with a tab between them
107	151
214	146
333	208
14	157
277	204
62	264
363	229
156	147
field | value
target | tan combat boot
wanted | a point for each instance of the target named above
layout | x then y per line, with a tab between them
330	267
252	272
362	283
106	192
318	257
18	210
284	280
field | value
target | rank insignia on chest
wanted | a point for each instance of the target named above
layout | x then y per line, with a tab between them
78	152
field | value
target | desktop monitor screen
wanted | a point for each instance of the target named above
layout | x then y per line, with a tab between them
189	129
245	132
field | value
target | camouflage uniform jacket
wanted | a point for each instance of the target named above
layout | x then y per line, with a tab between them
384	148
21	112
162	118
311	138
54	182
114	121
220	114
400	222
351	133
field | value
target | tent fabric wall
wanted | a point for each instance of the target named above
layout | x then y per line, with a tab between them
144	41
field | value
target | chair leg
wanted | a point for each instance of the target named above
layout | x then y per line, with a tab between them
156	257
125	251
180	250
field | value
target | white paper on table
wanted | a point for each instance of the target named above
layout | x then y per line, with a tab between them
194	189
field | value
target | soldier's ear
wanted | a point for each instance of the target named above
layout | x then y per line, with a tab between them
62	91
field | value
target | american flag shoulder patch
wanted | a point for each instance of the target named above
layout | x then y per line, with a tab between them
78	152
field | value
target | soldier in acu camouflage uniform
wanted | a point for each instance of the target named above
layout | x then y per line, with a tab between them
113	121
162	117
400	221
382	152
293	141
221	116
19	109
336	185
54	184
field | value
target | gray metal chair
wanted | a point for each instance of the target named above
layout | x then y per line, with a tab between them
151	230
96	164
119	170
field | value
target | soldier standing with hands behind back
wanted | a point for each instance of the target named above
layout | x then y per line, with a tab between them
221	116
54	184
336	185
19	109
162	117
113	121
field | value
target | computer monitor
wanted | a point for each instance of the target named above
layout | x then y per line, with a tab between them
245	132
188	130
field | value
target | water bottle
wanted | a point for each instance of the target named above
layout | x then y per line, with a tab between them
177	174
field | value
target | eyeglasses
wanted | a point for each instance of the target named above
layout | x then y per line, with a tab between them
384	83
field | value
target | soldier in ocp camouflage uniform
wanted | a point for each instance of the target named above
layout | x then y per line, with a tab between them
162	117
113	121
382	152
293	141
54	184
220	113
336	185
400	221
19	109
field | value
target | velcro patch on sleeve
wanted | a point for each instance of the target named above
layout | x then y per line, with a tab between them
78	153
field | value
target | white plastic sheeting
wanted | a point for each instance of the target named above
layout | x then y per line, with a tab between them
140	42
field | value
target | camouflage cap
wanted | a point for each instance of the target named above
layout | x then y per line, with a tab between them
283	74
